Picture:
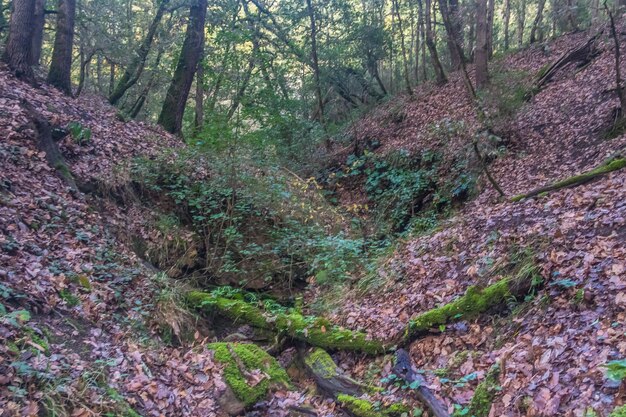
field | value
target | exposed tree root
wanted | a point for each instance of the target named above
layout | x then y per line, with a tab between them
610	166
312	330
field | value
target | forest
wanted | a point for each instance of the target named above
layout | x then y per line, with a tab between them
359	208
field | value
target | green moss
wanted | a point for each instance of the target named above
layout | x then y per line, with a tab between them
313	330
323	364
473	302
485	393
254	358
360	407
618	411
125	409
63	169
69	298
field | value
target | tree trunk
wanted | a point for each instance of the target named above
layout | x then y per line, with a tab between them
537	23
506	22
521	21
482	52
315	62
171	117
133	71
17	53
38	23
403	49
432	47
199	116
111	76
423	37
61	64
490	16
84	64
450	15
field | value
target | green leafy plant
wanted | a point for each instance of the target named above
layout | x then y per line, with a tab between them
80	134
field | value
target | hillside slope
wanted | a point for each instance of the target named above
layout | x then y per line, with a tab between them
553	347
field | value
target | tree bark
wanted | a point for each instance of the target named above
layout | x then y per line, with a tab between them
482	53
85	60
135	69
61	64
490	16
38	23
537	23
171	117
617	53
440	75
17	53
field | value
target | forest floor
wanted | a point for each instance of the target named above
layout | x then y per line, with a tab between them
79	307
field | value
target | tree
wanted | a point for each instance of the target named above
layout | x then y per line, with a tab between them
440	75
482	52
403	48
451	20
133	71
61	64
171	117
536	28
17	53
521	21
315	62
506	22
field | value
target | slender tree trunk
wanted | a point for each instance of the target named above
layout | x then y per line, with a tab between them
133	71
490	17
506	18
618	76
405	62
61	64
85	60
472	32
521	21
17	53
432	47
199	117
39	21
482	53
537	23
453	29
171	117
315	62
422	33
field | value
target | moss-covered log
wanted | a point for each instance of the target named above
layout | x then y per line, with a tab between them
328	377
475	301
610	166
346	391
249	372
312	330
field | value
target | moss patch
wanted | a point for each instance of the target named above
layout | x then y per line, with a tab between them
485	393
619	411
360	407
254	359
312	330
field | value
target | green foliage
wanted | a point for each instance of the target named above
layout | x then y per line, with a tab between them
485	393
507	92
616	370
80	134
256	222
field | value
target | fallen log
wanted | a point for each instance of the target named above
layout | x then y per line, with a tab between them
605	168
475	301
582	54
404	369
314	331
348	392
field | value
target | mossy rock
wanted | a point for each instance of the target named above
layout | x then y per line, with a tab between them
315	331
254	359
